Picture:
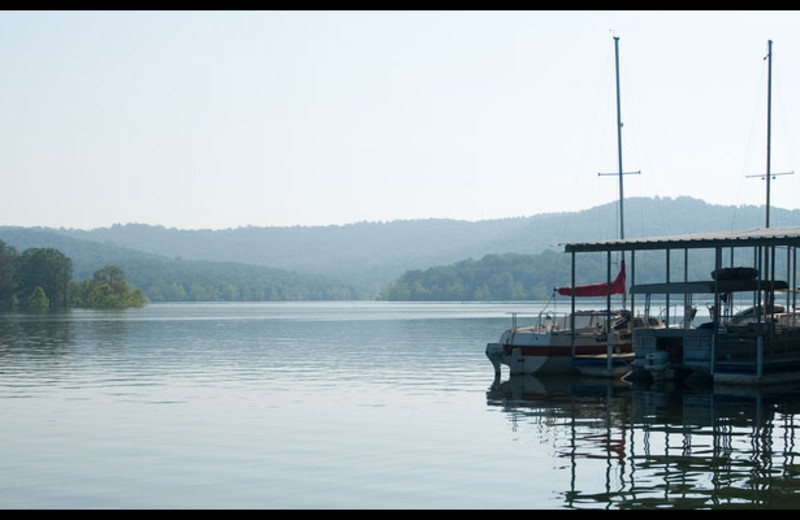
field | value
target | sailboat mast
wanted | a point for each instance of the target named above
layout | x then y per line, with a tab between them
619	159
619	143
769	121
768	175
620	173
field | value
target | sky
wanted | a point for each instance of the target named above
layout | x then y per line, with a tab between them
216	120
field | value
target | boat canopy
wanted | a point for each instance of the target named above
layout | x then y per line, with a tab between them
617	286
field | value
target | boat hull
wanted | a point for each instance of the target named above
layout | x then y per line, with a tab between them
533	353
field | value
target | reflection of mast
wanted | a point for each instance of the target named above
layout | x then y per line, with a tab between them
670	447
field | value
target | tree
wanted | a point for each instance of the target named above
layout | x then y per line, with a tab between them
107	290
38	301
8	286
113	276
48	269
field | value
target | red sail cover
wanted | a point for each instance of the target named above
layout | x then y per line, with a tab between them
598	289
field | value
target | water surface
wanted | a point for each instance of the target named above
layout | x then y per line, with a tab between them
356	405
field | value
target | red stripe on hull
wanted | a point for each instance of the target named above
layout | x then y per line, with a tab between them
567	351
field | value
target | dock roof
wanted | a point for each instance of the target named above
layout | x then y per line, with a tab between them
779	236
708	287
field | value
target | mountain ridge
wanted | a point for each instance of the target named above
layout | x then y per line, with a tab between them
370	255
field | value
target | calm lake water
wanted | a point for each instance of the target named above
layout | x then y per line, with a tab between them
357	405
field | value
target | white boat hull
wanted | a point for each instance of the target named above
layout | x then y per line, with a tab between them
549	353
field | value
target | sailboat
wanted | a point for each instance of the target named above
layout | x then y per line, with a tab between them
593	342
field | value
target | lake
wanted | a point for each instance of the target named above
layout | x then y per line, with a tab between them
358	405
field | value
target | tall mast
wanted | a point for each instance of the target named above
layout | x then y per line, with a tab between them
768	176
769	121
620	171
619	143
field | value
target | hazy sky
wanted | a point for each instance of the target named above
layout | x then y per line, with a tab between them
227	119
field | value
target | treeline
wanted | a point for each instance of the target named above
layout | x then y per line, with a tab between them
196	281
509	276
513	276
40	278
376	253
357	261
106	290
179	280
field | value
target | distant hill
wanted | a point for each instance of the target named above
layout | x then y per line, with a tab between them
170	279
380	250
87	255
367	256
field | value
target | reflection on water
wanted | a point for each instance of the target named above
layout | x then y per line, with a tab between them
32	344
356	405
20	333
630	447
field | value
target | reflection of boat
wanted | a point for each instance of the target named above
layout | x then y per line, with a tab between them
618	446
595	342
597	365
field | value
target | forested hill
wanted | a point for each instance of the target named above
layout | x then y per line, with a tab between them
171	279
380	251
368	256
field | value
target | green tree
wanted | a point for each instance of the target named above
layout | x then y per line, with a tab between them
37	301
113	276
107	290
8	285
509	276
45	268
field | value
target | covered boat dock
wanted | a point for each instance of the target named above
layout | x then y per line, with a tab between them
758	266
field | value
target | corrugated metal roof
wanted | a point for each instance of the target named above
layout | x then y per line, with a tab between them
753	237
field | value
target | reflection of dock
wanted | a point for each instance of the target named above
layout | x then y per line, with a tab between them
661	446
598	365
